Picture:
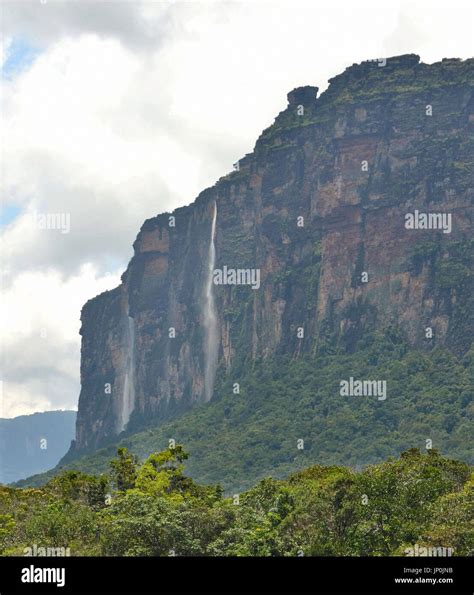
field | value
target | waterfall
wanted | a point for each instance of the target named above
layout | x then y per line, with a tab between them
210	318
128	394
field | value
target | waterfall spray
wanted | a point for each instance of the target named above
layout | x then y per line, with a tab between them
128	394
210	318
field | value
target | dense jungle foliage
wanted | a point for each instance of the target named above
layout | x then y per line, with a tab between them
154	509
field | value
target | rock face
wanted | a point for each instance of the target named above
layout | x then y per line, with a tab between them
319	209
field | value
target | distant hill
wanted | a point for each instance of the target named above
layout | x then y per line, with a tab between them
32	444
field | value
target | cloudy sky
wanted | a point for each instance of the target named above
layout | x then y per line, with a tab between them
114	111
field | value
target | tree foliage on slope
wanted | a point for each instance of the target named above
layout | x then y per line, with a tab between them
154	509
239	439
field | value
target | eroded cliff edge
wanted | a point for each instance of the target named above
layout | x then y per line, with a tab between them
321	200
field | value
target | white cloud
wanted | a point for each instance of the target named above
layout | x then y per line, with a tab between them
40	326
4	48
132	108
44	22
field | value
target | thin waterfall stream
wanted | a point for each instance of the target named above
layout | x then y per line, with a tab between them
128	396
210	317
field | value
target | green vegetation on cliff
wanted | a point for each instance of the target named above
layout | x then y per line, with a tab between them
237	439
153	509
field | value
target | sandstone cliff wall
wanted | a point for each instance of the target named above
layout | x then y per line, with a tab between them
319	209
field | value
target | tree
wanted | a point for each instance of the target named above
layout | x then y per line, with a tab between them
78	486
162	473
124	470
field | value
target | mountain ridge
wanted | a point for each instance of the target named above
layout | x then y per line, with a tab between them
34	443
380	143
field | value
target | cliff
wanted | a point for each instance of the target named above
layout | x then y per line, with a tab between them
352	214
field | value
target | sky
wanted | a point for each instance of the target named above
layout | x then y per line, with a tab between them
115	111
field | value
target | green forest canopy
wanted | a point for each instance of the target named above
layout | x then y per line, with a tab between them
154	509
